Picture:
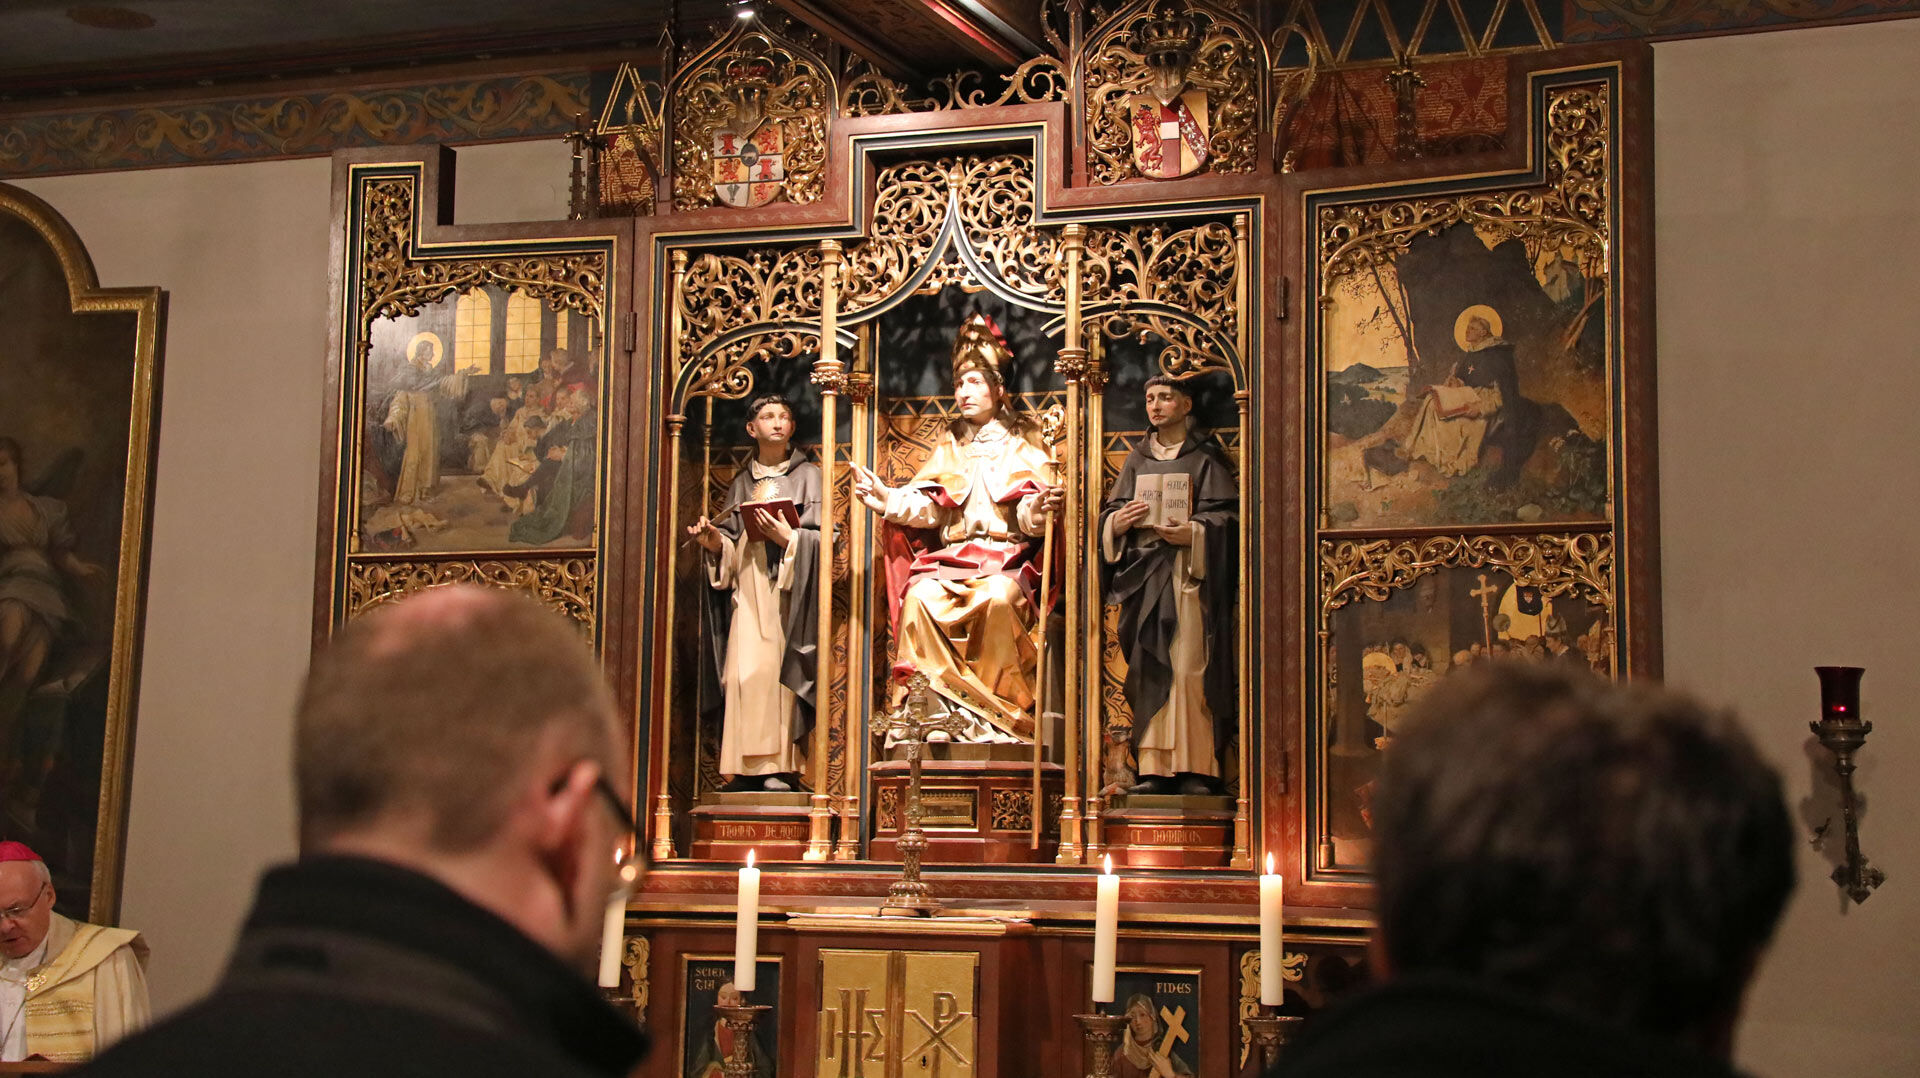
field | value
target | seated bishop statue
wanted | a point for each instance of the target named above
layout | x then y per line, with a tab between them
964	550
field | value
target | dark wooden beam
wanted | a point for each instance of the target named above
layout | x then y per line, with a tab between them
225	68
914	40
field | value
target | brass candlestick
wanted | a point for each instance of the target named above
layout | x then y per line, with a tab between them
1272	1033
908	897
622	1002
739	1020
1102	1032
1843	732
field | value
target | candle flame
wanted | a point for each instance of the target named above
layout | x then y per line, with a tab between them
1108	870
1269	864
619	855
749	858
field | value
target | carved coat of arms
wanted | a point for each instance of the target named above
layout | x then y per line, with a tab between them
1169	119
749	169
1169	138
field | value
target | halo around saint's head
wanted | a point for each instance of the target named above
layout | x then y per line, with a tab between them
1478	310
433	340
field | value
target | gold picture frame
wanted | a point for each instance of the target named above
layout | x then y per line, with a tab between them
1478	434
82	456
454	346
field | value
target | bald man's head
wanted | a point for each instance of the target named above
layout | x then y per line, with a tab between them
432	707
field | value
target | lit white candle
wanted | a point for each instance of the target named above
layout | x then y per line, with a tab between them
613	929
1106	932
746	928
1272	960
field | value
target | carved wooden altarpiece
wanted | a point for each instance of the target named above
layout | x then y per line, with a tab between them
814	229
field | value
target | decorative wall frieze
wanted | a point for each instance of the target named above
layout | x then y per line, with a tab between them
1601	20
280	125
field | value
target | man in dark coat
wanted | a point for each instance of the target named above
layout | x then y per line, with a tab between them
763	614
1173	572
457	829
1574	878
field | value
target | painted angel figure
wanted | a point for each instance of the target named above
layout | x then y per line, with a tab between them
38	562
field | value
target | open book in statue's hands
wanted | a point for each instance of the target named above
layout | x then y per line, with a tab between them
1170	494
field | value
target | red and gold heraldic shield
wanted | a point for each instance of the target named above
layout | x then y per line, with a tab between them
749	170
1170	140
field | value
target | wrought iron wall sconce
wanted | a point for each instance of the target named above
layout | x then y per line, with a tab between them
1843	731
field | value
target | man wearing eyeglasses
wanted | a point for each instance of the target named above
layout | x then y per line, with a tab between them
452	759
67	989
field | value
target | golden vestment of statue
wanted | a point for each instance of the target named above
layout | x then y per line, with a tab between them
964	578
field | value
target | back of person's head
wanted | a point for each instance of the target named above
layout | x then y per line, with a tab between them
430	710
1619	850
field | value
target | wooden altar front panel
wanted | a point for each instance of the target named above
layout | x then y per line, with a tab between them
1016	979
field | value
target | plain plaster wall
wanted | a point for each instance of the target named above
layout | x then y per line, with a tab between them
242	253
1789	371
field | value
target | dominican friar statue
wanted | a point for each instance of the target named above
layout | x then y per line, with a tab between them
762	640
963	557
1173	573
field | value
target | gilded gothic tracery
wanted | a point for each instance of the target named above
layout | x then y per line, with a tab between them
1343	585
1568	214
565	585
398	280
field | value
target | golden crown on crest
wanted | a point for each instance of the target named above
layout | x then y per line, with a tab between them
1168	37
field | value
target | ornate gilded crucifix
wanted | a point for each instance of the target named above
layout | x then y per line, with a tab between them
910	725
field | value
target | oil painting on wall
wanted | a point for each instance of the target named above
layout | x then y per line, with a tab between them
481	427
1386	654
1466	385
79	365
